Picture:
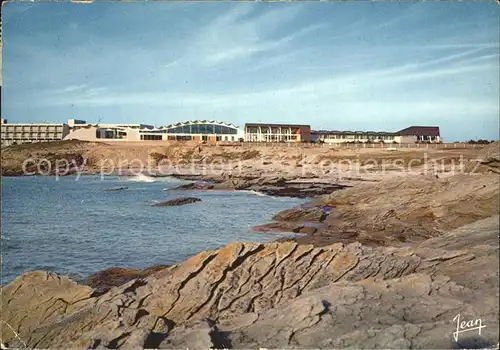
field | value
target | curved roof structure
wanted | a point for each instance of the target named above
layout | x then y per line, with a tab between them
194	122
195	127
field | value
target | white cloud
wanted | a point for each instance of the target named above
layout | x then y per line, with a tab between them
231	36
305	92
70	88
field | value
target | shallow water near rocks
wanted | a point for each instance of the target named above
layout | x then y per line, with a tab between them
72	226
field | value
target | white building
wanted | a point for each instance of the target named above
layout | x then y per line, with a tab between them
18	133
413	134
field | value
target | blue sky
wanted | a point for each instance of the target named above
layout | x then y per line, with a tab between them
333	65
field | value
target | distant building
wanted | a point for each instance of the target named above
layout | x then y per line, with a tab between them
75	124
81	130
412	134
17	133
335	136
195	130
90	132
422	133
258	132
206	131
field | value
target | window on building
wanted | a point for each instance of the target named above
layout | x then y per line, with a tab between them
184	138
151	137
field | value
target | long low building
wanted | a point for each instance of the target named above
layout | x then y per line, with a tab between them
260	132
18	133
412	134
206	131
196	130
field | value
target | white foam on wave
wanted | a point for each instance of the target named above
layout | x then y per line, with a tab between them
257	193
142	178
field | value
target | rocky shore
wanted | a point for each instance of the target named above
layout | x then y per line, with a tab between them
277	295
386	260
272	186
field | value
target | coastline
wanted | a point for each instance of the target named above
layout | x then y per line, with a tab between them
401	239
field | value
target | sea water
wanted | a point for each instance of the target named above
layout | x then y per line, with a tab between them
72	226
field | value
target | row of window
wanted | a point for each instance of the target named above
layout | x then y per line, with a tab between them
427	138
32	128
151	137
31	133
185	138
271	138
196	129
272	130
355	137
32	138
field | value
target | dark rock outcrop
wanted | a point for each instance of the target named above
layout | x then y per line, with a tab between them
177	201
115	189
198	185
103	281
273	186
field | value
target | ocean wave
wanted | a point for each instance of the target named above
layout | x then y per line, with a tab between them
256	193
142	178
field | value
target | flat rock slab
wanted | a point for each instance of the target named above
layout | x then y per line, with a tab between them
275	186
199	185
177	201
115	189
